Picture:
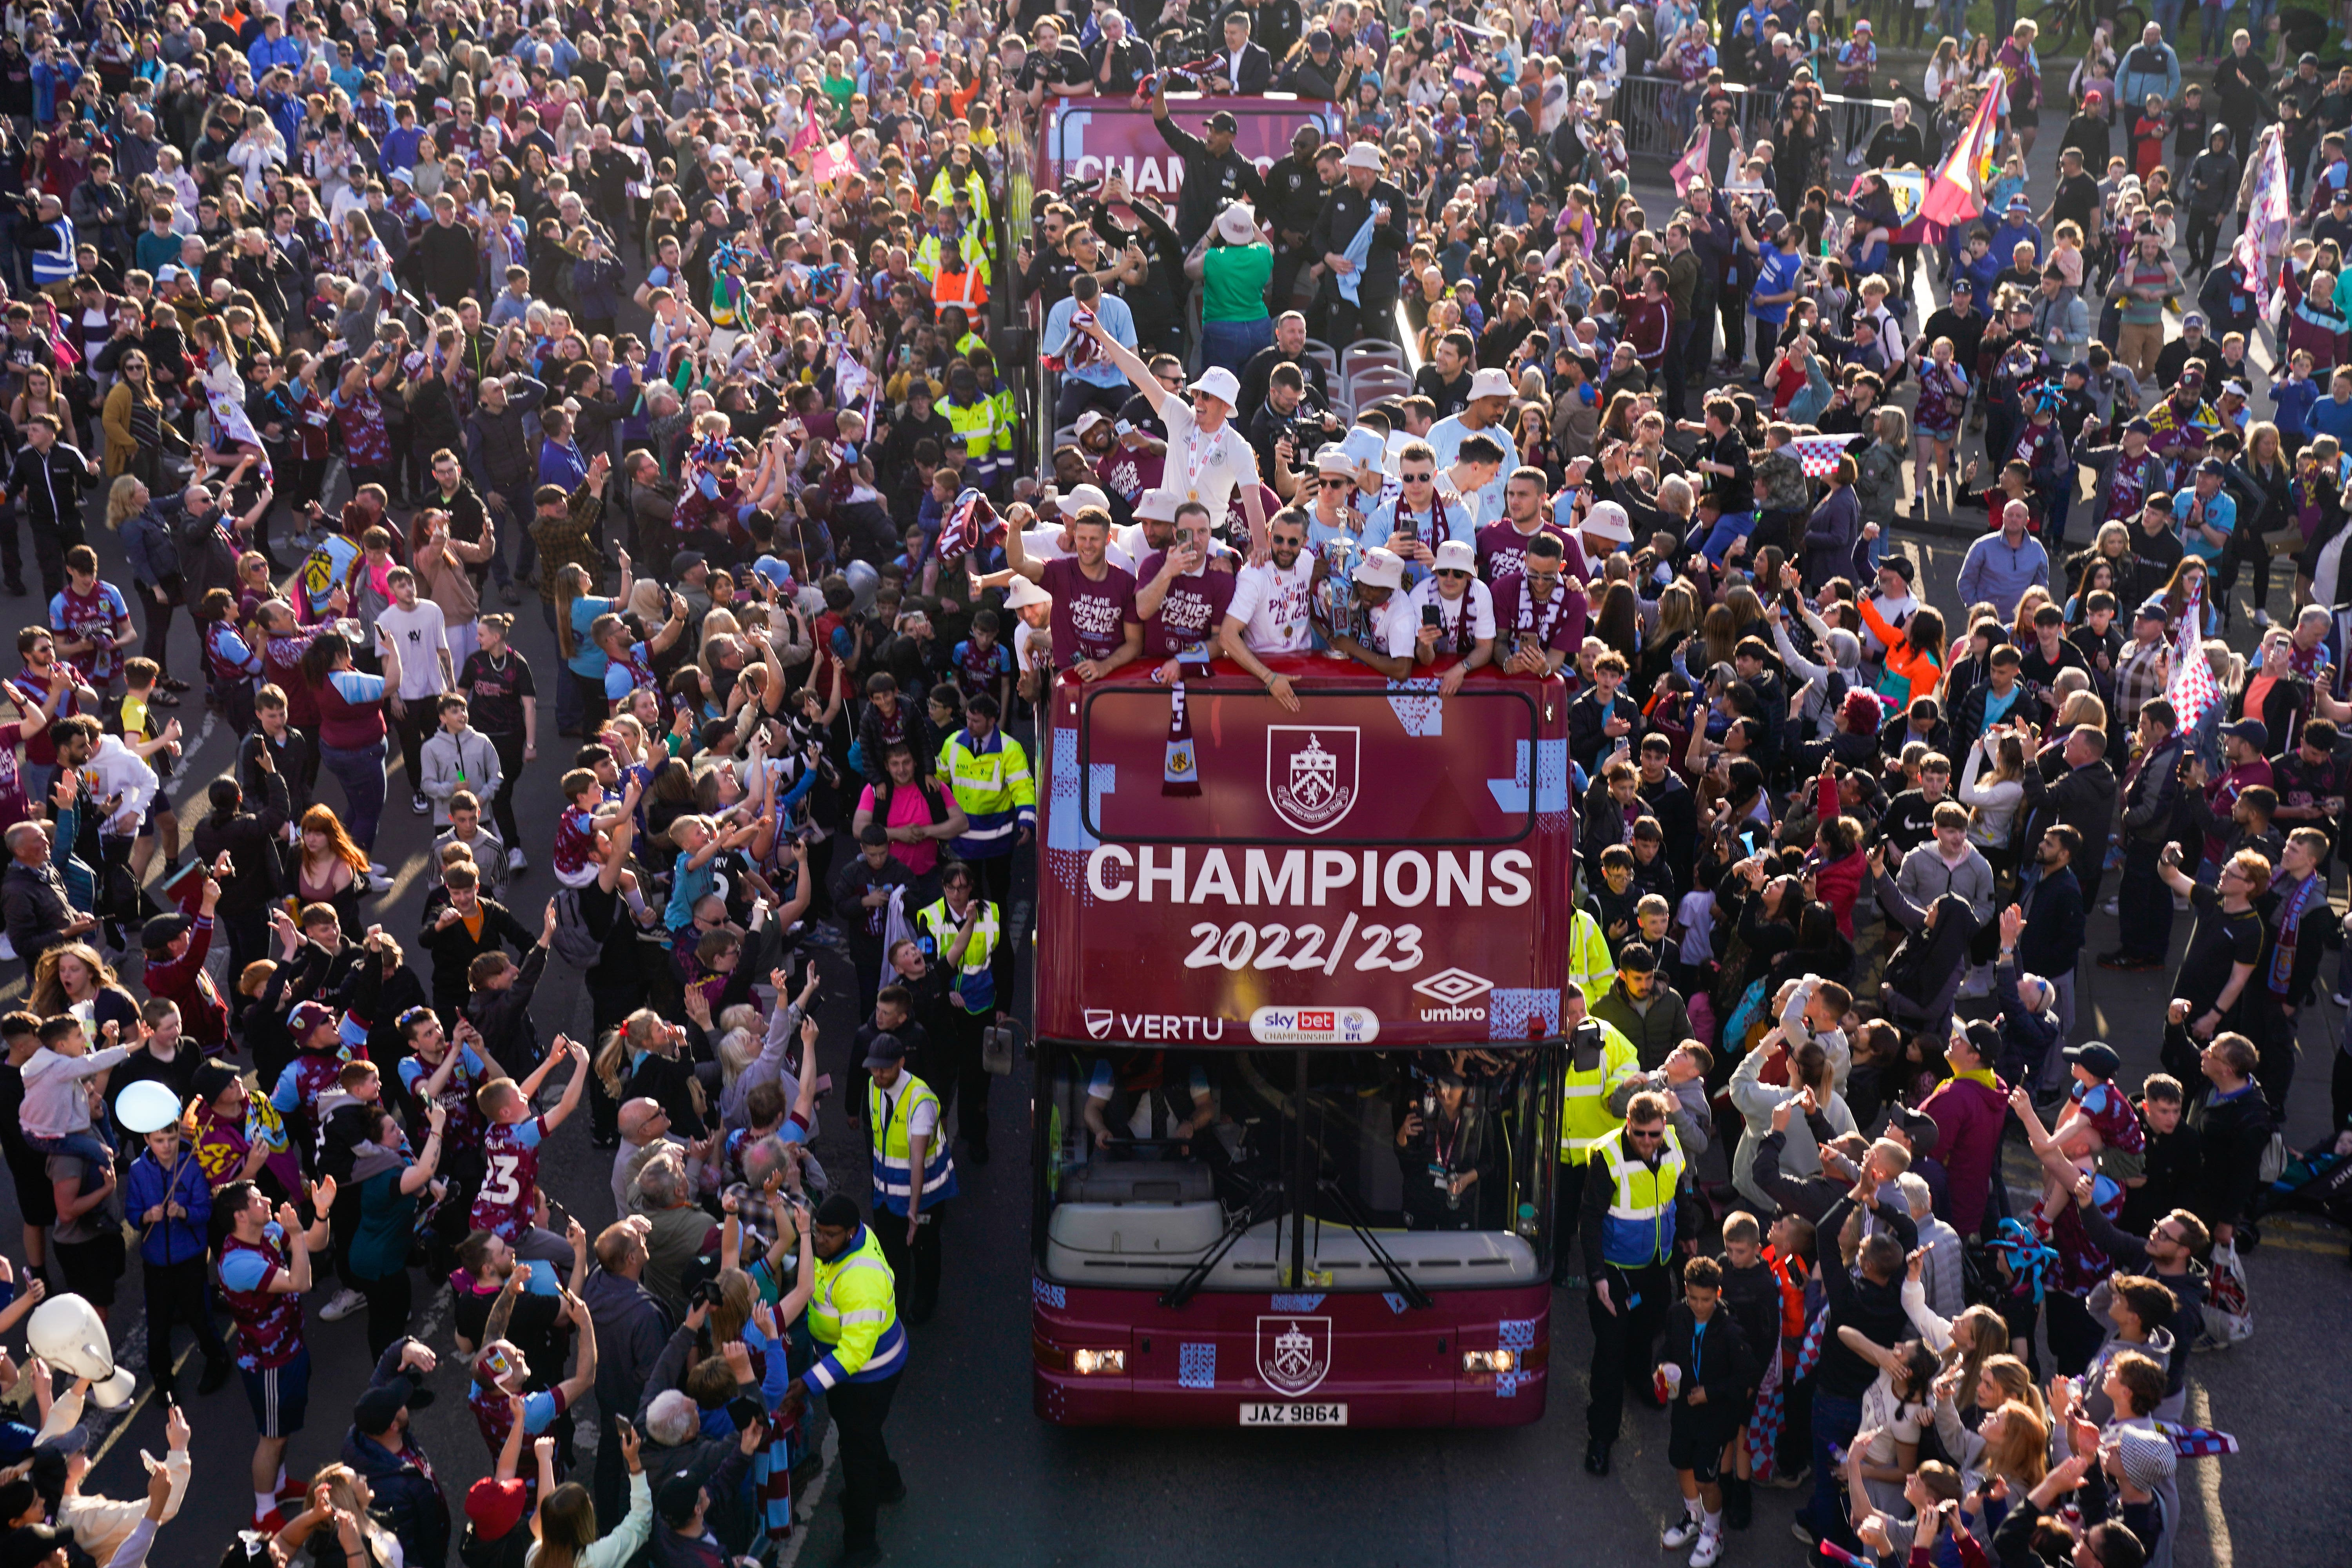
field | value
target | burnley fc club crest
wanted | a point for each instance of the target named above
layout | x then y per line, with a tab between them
1310	774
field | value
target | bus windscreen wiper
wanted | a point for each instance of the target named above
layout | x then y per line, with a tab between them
1185	1290
1405	1287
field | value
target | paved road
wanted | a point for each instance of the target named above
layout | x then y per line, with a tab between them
991	1483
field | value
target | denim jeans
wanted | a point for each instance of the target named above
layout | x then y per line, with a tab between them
360	772
1230	343
2213	38
1836	1419
1729	526
2165	14
567	694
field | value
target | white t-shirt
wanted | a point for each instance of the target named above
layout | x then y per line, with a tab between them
1044	545
1032	646
422	634
1271	604
1479	613
1395	624
1205	468
922	1119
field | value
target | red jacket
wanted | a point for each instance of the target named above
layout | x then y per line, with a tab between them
204	1016
1649	327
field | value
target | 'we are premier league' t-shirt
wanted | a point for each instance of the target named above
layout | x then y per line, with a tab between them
1089	617
1191	613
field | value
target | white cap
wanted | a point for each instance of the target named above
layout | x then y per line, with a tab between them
1156	506
1455	556
1023	594
1334	459
1081	496
1366	156
1237	225
1608	520
1380	568
1089	419
1491	384
1219	383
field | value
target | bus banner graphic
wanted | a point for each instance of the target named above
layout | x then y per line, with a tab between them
1294	1354
1350	872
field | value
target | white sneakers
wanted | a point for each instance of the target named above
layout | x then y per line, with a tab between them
1684	1531
345	1303
517	861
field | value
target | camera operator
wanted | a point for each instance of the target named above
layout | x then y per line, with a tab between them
1286	413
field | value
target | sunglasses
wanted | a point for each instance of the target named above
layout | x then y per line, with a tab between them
1333	484
1417	479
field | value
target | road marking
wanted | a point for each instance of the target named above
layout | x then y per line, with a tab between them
2208	1484
791	1552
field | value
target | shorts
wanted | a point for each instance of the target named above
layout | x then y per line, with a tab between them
280	1396
1938	433
1695	1442
2024	119
92	1268
159	805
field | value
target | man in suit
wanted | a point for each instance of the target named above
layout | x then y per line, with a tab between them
1243	69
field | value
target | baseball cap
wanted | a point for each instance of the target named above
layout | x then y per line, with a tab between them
380	1407
885	1050
2252	732
2192	320
686	561
1318	40
307	1016
678	1497
1223	120
2145	426
2095	1057
2212	468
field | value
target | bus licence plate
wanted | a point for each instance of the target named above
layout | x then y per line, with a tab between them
1294	1415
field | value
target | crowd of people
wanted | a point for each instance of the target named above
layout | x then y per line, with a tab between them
712	327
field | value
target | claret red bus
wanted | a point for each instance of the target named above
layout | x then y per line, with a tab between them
1299	981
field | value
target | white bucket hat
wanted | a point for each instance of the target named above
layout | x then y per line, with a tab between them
1491	384
1237	225
1380	568
1023	594
1455	556
1219	383
1366	156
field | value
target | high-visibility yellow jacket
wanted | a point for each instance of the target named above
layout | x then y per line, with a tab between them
853	1314
1585	1117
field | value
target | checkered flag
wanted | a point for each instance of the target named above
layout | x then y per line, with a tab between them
2191	687
1818	455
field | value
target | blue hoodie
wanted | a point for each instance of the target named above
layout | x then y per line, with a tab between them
170	1240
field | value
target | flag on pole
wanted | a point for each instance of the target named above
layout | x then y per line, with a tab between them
809	135
2270	217
2191	687
1818	455
1957	193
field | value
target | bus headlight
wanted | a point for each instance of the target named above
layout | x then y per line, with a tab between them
1476	1362
1092	1363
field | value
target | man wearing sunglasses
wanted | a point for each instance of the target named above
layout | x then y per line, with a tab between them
1430	512
1639	1216
1538	614
1455	612
1268	612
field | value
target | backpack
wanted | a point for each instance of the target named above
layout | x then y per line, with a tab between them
574	942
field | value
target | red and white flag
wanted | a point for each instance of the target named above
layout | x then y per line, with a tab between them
2191	687
1818	455
970	524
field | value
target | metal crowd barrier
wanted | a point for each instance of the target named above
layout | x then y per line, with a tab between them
1643	101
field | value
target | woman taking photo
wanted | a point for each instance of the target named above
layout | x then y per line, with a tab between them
138	434
575	612
351	725
389	1180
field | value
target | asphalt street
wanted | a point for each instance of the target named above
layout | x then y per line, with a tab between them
991	1483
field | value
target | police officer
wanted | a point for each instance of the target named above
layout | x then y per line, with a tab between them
1639	1212
1601	1064
854	1317
961	935
914	1173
